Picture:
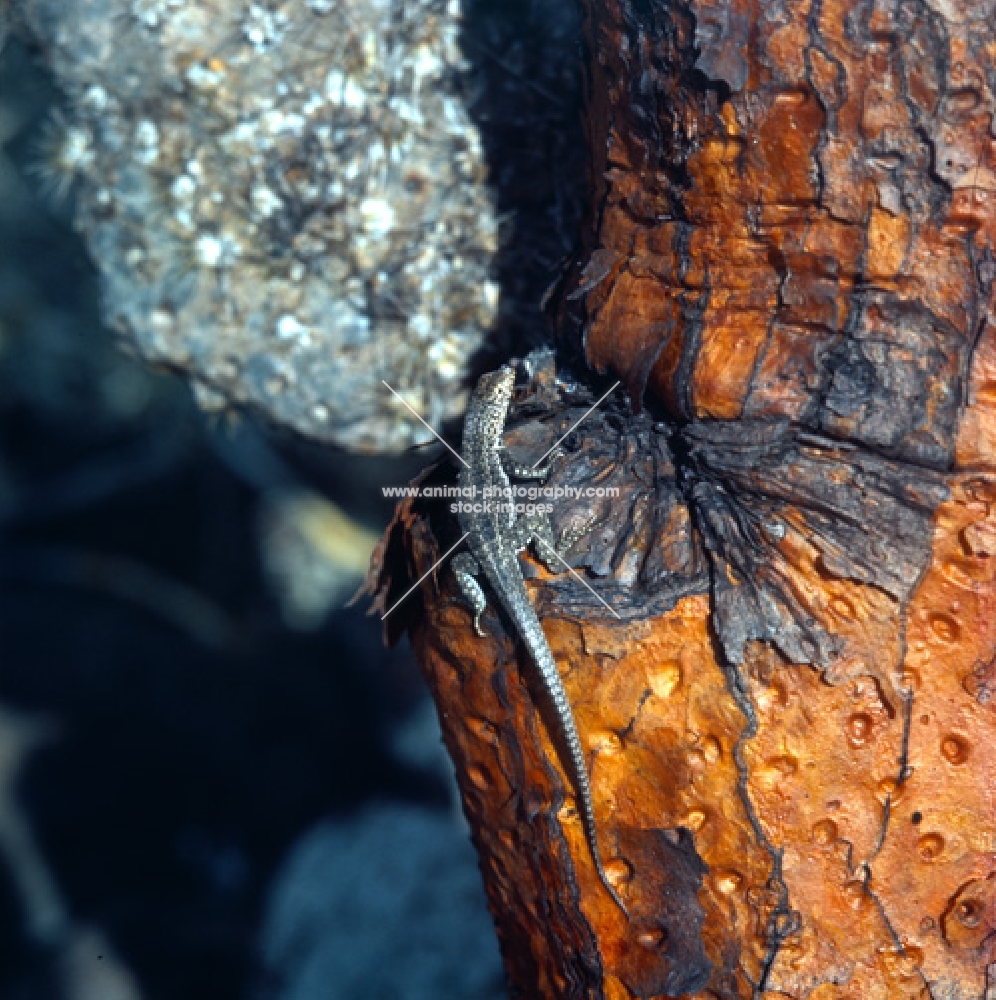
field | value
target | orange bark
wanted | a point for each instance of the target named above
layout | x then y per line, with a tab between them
791	221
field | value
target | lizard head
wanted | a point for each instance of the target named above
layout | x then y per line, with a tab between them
498	385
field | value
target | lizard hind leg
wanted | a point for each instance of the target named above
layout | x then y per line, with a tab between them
536	528
549	549
465	569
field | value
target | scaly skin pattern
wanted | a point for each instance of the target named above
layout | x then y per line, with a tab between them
495	538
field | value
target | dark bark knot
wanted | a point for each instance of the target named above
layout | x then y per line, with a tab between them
761	513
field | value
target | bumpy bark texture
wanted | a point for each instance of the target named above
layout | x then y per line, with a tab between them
789	264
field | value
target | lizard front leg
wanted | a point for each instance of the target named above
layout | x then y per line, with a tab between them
465	569
516	471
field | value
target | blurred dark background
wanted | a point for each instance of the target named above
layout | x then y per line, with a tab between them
215	781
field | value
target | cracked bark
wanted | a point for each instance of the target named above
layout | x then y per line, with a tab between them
788	263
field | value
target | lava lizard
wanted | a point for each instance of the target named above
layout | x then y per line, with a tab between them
496	537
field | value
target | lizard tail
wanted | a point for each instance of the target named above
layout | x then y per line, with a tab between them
588	822
566	735
582	786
